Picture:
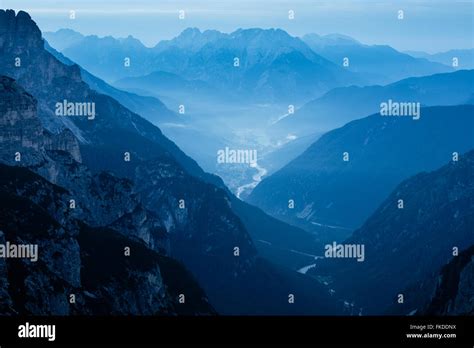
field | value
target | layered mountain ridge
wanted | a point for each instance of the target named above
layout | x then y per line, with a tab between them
380	64
247	62
159	197
342	177
421	251
343	105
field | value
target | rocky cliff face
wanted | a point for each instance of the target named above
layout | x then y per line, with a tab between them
64	141
24	59
99	200
21	128
37	211
77	260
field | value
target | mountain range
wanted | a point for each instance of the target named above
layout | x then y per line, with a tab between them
127	223
422	251
461	58
160	197
342	105
342	177
244	63
205	60
220	83
380	64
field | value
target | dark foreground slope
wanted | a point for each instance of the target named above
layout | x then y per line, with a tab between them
77	260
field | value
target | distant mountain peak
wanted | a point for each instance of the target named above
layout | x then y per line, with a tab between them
190	38
329	40
131	40
191	31
68	31
341	37
270	32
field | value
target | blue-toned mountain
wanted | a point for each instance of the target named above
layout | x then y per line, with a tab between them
405	248
342	177
160	196
253	63
342	105
380	64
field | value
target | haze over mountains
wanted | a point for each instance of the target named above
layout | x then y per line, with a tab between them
342	105
342	177
261	70
203	233
204	57
152	108
379	64
463	58
233	236
197	76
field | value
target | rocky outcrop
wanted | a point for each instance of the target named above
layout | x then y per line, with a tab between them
64	141
99	200
22	132
18	32
24	59
20	125
203	232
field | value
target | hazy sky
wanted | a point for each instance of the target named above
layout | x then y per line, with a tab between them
428	25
